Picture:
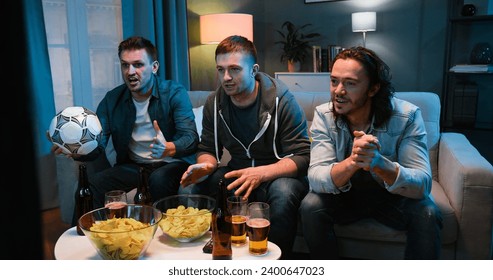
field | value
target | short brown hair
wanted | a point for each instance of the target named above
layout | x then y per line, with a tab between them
138	43
236	43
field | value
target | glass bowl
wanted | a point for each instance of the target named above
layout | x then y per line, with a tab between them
121	234
186	217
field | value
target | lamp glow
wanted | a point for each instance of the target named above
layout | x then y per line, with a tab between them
215	27
364	22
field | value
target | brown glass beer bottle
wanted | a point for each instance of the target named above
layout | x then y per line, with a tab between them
222	226
143	196
83	198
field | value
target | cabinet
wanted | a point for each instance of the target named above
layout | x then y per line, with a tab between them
305	81
467	99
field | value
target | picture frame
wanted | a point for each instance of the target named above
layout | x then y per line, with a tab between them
318	1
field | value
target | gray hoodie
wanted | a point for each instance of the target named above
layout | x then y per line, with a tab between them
283	130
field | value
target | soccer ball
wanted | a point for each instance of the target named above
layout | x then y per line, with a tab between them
76	130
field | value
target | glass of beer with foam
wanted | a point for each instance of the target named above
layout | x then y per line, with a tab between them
258	226
239	212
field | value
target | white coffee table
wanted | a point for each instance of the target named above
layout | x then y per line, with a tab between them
71	246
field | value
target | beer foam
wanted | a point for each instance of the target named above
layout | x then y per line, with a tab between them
237	219
258	222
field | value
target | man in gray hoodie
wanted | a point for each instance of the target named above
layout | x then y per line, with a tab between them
259	122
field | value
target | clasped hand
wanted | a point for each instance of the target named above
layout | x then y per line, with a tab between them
366	150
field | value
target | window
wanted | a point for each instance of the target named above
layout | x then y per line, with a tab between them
83	37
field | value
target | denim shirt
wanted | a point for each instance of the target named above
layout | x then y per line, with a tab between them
402	139
170	105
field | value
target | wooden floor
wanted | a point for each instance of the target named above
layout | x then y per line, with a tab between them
53	227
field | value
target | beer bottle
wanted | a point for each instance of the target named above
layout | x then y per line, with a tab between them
83	198
222	226
143	196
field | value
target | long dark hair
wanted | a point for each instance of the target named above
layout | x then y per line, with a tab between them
379	74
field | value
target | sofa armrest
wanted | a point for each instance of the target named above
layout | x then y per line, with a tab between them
467	179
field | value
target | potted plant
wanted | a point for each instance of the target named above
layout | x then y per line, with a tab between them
295	44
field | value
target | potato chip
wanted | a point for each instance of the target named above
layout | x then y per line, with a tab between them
185	222
120	238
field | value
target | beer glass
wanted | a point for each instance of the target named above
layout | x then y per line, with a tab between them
258	226
239	212
115	199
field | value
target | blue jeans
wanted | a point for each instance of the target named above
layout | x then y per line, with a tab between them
164	180
421	218
284	196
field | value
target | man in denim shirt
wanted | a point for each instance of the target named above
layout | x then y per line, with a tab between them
369	158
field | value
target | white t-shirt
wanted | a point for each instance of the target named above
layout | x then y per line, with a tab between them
143	134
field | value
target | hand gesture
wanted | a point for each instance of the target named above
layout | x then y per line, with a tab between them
158	147
248	180
366	150
196	173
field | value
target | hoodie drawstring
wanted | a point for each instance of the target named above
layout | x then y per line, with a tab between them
256	138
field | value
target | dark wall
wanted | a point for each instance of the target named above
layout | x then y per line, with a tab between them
410	35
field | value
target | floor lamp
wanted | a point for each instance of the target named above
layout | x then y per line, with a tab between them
364	22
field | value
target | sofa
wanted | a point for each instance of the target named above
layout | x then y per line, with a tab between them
462	188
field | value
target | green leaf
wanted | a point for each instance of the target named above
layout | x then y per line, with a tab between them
294	43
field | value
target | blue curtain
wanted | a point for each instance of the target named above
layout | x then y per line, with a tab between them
40	73
43	104
164	22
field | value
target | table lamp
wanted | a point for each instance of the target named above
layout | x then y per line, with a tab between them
364	22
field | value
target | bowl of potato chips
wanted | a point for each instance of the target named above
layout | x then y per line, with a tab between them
186	217
121	234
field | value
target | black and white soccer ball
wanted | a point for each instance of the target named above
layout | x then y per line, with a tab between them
76	130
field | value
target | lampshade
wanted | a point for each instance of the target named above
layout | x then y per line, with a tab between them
364	21
215	27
